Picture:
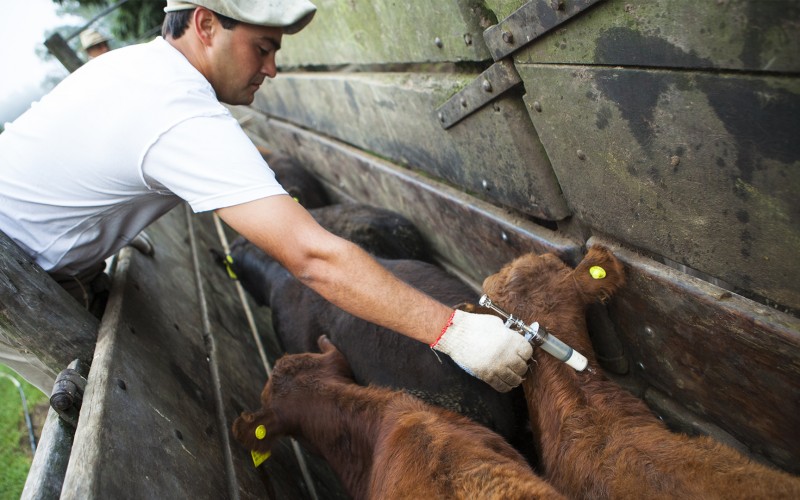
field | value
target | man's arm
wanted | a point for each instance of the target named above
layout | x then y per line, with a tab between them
337	269
350	278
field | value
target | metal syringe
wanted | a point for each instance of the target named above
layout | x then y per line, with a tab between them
539	337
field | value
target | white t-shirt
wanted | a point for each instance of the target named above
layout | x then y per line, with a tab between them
113	147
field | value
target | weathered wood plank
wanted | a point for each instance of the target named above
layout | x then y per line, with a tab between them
701	168
149	391
384	31
38	315
722	356
746	35
494	153
471	236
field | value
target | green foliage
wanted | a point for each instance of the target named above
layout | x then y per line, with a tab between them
132	21
15	451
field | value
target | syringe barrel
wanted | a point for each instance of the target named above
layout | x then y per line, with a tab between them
563	352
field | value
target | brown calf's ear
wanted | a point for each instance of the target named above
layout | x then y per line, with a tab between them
325	345
599	275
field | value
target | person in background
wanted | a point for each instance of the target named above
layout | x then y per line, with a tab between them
94	43
161	136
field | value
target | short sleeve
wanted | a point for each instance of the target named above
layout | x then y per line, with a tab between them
210	163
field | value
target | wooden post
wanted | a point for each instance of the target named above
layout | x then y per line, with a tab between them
37	315
57	46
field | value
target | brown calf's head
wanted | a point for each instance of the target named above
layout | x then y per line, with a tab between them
542	288
285	396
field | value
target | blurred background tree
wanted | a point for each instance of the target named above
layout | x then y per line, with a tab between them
133	21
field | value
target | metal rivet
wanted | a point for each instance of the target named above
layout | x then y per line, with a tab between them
441	117
468	39
463	102
537	106
504	236
648	330
487	85
485	184
508	37
581	155
121	384
438	42
178	434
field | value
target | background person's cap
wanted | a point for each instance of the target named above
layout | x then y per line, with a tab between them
291	15
90	38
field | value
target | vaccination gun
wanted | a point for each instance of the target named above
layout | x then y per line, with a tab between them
539	337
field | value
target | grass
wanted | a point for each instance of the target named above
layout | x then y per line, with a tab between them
15	448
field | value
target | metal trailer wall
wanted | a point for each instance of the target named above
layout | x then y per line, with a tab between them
662	128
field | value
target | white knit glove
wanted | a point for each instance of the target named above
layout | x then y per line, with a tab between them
485	348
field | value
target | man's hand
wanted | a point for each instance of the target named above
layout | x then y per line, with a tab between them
485	348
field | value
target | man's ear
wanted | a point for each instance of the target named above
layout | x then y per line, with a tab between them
205	24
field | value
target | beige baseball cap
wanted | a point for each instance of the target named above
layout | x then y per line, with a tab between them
90	38
291	15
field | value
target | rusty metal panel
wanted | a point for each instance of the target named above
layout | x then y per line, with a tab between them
750	35
700	168
724	357
388	32
494	153
472	237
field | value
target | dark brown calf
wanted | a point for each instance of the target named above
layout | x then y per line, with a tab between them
596	440
382	443
298	182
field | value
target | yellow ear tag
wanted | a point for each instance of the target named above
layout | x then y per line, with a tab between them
259	457
228	264
261	432
597	272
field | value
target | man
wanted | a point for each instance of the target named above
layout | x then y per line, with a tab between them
162	136
94	43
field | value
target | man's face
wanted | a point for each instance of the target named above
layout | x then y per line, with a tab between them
240	59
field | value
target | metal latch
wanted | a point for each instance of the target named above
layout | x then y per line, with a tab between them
529	22
500	77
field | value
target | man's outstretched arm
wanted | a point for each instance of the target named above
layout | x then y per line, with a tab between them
351	279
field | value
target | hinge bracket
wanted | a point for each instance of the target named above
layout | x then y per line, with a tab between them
529	22
500	77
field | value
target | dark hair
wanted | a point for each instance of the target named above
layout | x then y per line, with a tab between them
176	22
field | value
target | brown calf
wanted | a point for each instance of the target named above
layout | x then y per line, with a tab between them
384	443
596	440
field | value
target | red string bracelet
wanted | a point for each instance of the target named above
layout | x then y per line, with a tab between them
446	326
